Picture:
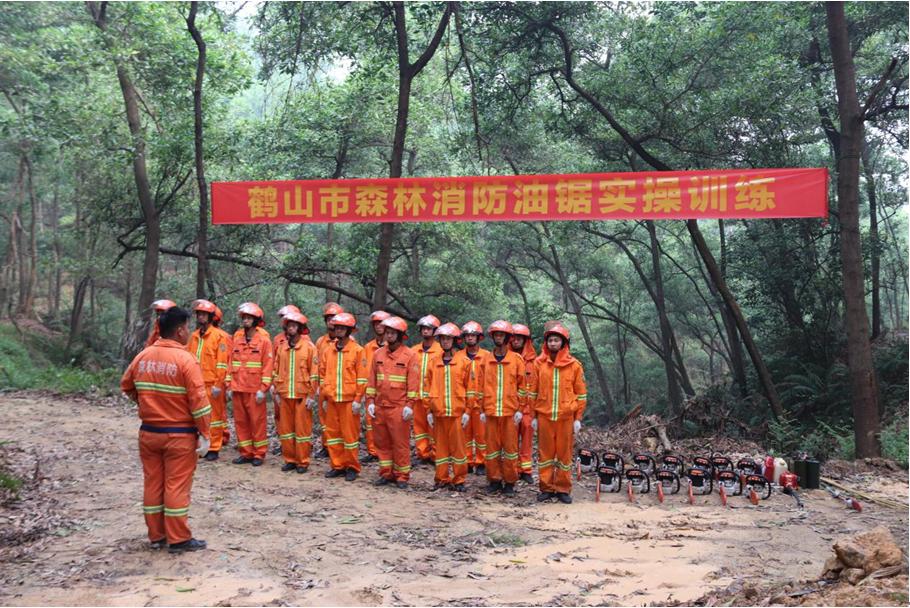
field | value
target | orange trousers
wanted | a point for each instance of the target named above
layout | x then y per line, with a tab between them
525	445
343	432
423	433
168	464
554	444
250	420
393	442
368	435
449	450
475	439
295	431
502	449
220	432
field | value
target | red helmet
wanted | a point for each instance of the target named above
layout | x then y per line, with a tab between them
203	306
449	329
398	324
296	317
555	327
250	308
472	327
284	310
163	305
218	316
521	330
379	315
344	319
331	308
500	325
428	321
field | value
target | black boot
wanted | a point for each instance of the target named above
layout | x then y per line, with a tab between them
508	489
334	473
564	498
242	460
187	545
382	481
526	477
288	466
495	486
481	470
256	462
401	485
545	496
350	475
302	468
210	456
459	487
369	458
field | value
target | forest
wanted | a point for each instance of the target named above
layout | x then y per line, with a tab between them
116	117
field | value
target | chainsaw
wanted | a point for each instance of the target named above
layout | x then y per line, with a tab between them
643	462
637	481
719	463
585	462
667	482
614	460
672	463
747	466
700	477
756	487
609	479
729	483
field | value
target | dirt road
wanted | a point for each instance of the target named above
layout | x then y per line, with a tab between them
281	538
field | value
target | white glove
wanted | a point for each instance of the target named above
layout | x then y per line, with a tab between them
215	391
534	424
230	394
407	413
260	396
576	426
311	403
325	406
483	418
356	407
202	445
465	419
430	419
371	410
272	390
517	418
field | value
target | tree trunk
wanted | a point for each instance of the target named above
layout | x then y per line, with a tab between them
734	344
673	391
875	252
27	303
406	73
149	280
866	419
202	244
76	314
609	407
57	278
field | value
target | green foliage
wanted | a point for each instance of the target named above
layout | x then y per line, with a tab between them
895	441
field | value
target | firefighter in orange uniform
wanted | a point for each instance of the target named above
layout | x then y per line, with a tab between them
502	398
328	312
277	341
426	350
475	434
160	307
559	397
342	384
211	349
370	348
445	392
296	380
249	377
217	318
521	344
166	381
393	387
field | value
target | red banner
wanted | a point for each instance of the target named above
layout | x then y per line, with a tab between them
728	193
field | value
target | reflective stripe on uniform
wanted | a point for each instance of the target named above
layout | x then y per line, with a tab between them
176	512
202	411
152	509
554	414
160	388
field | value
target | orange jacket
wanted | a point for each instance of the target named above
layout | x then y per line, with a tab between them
425	356
250	367
296	370
166	382
502	384
212	350
342	374
370	349
557	387
324	340
153	335
280	338
528	354
394	378
446	385
474	388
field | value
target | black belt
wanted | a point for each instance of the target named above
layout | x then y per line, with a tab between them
168	429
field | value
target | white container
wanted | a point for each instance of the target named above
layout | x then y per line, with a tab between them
780	467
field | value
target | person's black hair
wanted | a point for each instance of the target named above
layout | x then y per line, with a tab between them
171	320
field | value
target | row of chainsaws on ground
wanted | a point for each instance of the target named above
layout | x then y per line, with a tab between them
704	476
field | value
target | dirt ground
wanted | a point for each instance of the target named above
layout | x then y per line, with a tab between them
77	537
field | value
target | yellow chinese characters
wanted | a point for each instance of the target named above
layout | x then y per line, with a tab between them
409	199
532	197
708	193
662	195
449	199
489	199
573	196
300	205
753	194
334	200
263	201
614	196
371	201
